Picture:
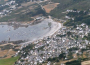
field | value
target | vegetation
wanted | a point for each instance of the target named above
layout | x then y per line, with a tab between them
6	47
70	55
9	61
40	48
2	8
74	63
59	35
27	49
87	37
56	59
69	4
73	49
22	16
69	33
79	18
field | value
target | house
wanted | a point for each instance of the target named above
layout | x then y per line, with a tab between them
48	63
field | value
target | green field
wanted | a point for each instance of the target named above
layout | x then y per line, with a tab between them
9	61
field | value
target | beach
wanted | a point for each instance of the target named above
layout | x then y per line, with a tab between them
55	27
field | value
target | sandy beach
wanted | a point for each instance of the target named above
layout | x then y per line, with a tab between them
55	27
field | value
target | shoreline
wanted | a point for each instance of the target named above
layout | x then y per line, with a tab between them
55	27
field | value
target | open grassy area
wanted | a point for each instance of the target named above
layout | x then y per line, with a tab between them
9	61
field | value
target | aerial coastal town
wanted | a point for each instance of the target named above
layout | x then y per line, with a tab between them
64	41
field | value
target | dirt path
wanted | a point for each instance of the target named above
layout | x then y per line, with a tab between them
50	7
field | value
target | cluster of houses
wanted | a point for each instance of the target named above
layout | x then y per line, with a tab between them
37	0
72	11
7	8
53	46
67	11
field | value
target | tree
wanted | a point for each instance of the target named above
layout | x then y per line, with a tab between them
69	33
61	56
76	62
